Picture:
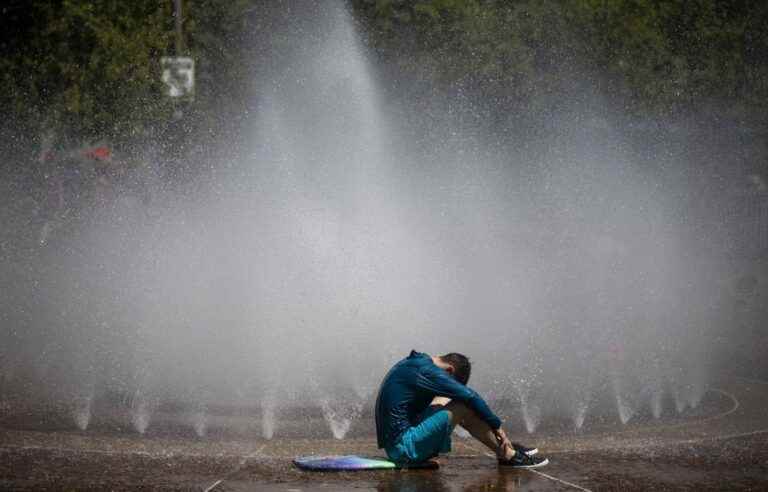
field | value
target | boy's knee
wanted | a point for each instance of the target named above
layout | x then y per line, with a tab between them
440	401
458	411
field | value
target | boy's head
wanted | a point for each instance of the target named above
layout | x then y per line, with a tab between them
460	366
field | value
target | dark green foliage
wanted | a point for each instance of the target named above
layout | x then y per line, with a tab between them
215	31
90	68
654	56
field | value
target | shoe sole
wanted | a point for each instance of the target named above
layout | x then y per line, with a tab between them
545	462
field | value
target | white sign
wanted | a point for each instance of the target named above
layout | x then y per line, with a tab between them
178	75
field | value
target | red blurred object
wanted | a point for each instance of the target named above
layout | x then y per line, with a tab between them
616	351
98	153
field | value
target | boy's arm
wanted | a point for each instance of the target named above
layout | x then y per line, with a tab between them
441	383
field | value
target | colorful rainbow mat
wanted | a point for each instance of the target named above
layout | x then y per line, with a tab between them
353	462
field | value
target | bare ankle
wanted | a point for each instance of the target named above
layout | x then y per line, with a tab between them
507	453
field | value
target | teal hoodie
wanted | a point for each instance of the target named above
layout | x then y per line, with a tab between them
408	389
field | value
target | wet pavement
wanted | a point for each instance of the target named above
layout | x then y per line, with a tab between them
722	448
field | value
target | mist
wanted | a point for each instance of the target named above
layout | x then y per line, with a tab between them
578	259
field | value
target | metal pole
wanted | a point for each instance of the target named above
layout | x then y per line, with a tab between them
179	38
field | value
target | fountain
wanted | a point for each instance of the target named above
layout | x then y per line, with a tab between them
268	418
461	432
694	390
340	415
141	409
529	407
624	406
656	403
680	403
199	420
579	414
356	221
7	367
81	411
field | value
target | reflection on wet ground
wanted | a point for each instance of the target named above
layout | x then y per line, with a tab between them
426	481
725	448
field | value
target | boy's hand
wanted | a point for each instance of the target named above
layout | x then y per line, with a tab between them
503	440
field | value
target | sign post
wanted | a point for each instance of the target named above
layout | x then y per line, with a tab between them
178	76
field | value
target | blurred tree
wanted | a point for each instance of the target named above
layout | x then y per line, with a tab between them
89	69
84	69
671	56
215	36
650	56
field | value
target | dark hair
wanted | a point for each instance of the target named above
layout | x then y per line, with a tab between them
461	366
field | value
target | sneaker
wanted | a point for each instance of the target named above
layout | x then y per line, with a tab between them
519	448
520	460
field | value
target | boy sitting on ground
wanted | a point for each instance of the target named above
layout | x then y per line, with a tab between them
422	399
